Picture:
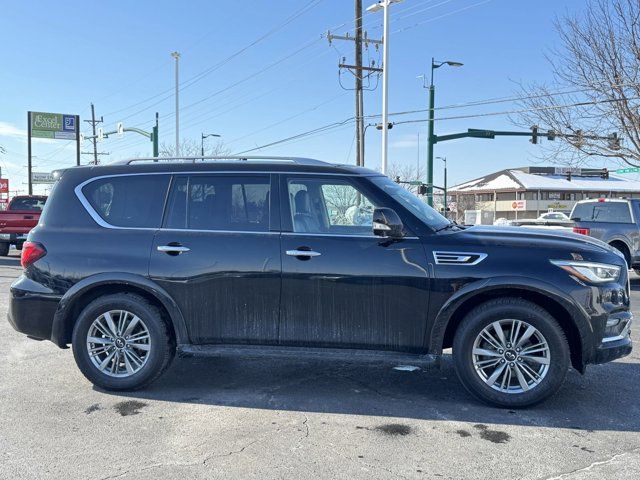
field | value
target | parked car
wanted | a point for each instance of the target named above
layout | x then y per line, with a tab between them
502	222
18	219
554	217
247	257
614	221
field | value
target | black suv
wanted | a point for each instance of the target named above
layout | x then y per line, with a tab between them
132	262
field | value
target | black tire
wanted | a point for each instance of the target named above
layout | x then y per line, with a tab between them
4	249
160	354
624	251
513	309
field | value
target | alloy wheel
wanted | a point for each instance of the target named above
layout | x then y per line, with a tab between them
118	343
511	356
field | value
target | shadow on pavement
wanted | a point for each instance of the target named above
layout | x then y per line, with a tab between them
603	399
12	260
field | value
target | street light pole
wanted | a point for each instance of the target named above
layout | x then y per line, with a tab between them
444	159
384	6
385	86
176	55
430	136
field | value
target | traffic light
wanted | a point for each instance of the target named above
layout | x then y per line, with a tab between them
534	134
551	135
605	174
422	189
613	141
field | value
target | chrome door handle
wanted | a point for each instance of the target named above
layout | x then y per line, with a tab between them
173	249
302	253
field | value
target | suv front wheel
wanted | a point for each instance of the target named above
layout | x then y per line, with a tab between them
510	352
121	342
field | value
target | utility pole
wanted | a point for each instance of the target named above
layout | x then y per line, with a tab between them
176	55
360	72
94	138
359	92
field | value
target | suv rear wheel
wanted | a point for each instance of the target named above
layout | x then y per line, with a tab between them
511	353
121	342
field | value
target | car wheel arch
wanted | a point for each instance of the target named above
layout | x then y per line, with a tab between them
623	246
82	293
454	311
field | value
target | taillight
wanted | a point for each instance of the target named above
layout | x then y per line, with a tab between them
581	231
31	251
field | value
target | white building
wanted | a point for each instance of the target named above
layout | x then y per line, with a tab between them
527	192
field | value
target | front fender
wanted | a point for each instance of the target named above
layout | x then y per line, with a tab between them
59	332
578	315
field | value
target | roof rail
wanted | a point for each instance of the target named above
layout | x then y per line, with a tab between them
226	158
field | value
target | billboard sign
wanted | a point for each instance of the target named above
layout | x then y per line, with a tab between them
519	205
56	126
42	177
4	185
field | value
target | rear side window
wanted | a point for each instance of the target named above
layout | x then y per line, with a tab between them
219	202
134	201
604	212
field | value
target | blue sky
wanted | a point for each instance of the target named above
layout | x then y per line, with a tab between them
60	56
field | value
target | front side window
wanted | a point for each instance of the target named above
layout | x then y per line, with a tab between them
330	207
134	201
219	202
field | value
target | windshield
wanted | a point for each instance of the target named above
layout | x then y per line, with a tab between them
411	202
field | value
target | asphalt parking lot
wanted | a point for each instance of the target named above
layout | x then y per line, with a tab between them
213	418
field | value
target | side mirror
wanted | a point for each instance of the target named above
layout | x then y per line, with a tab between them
387	223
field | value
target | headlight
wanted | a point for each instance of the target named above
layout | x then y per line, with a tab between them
589	271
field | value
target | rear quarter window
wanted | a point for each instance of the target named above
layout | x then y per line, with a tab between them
135	201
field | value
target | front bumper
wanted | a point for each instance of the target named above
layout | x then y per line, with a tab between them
617	342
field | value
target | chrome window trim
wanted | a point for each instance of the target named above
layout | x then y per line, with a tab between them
302	234
459	255
101	222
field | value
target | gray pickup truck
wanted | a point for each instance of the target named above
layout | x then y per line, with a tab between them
614	221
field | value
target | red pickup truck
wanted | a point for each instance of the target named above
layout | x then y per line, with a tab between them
22	214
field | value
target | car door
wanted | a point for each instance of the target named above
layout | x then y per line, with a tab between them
218	255
341	285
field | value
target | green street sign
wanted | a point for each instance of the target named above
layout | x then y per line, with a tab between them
53	125
628	170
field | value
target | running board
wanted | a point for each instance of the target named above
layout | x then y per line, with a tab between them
333	354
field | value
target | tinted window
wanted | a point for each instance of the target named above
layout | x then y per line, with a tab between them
129	201
607	212
29	204
329	206
235	203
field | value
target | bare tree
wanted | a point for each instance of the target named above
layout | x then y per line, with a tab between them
192	148
406	172
598	66
464	202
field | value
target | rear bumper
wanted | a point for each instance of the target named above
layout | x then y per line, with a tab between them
32	312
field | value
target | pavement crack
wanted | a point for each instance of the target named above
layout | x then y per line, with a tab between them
231	452
594	464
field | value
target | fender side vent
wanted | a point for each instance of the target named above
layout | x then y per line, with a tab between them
458	258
